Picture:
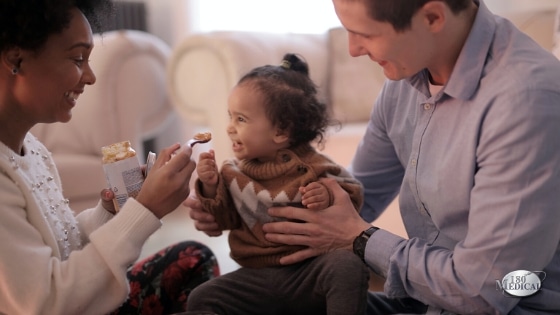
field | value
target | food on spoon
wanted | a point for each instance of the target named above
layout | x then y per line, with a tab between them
201	137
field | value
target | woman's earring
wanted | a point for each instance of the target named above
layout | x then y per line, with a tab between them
15	71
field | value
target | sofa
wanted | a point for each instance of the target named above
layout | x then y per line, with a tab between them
204	67
129	101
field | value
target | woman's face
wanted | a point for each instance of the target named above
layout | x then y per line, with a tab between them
50	81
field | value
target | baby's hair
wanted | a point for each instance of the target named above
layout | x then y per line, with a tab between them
291	99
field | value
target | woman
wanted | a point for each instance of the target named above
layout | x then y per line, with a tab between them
52	261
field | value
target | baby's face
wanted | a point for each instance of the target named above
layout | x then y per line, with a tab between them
252	134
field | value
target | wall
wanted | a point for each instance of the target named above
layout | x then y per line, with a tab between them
172	20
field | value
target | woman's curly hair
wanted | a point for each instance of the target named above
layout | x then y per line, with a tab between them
28	23
291	99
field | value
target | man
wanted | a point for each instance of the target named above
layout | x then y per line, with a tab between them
465	131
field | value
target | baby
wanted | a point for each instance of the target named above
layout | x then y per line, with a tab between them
275	117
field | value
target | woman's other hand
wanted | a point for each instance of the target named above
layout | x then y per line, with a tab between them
107	197
167	184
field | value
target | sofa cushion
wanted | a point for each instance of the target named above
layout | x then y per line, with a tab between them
354	81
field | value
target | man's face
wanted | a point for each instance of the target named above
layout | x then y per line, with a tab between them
401	54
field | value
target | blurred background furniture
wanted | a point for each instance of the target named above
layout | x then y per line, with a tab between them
128	102
129	15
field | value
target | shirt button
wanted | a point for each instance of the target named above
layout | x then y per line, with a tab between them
413	162
427	106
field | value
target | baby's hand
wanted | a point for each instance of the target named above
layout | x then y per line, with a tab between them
315	196
206	168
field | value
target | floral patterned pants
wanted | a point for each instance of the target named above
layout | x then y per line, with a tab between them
161	283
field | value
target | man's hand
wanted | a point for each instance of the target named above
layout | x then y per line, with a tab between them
322	231
203	221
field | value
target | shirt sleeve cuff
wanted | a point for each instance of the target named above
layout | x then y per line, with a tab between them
379	249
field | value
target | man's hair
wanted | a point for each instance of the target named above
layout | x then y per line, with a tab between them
399	12
28	23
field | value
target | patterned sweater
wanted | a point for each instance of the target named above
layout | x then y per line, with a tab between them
247	188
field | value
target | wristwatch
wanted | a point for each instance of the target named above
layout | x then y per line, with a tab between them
360	242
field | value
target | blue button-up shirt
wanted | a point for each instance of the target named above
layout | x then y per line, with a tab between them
477	171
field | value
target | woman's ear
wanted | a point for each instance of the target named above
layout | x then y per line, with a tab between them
11	59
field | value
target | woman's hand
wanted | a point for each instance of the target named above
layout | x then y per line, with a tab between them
321	231
167	184
107	196
203	221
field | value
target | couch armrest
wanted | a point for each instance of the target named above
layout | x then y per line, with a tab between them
204	67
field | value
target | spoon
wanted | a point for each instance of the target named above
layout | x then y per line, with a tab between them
150	161
201	137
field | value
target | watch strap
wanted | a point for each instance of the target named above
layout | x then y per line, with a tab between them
360	242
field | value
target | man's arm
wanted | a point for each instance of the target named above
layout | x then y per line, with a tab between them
322	231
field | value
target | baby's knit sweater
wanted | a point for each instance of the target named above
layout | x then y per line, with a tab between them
248	188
